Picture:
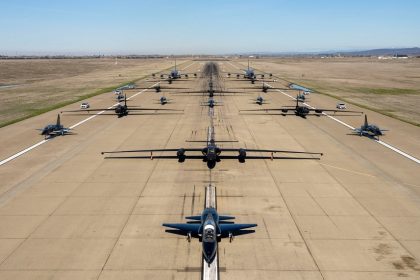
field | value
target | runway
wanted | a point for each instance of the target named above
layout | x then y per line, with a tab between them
68	213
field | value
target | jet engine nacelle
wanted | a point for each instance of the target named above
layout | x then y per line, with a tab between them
271	75
161	75
180	153
242	155
318	111
153	75
237	76
195	74
186	76
228	74
284	110
262	76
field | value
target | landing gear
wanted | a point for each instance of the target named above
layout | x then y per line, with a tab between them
230	237
189	237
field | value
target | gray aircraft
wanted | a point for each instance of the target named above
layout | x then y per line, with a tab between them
56	129
175	74
249	74
211	103
303	111
212	153
210	228
369	130
120	110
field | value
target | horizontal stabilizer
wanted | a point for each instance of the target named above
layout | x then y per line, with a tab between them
197	218
222	218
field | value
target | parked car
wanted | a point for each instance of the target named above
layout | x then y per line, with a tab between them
84	105
341	106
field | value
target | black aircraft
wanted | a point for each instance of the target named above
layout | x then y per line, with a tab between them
210	228
52	130
163	100
211	103
303	111
369	130
121	110
211	153
259	100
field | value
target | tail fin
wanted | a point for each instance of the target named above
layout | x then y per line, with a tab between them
366	121
175	63
58	120
248	63
125	99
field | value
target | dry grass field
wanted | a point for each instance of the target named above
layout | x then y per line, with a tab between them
30	87
391	87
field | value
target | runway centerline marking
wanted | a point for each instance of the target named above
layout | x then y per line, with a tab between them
24	151
392	148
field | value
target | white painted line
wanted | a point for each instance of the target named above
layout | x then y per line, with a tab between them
74	125
23	151
352	128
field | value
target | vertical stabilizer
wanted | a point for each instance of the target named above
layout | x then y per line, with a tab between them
248	63
175	64
366	121
58	120
125	99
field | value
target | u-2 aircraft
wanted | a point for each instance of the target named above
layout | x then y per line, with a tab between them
212	153
210	228
303	111
52	130
120	110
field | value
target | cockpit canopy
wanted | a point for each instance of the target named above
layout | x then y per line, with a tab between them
209	233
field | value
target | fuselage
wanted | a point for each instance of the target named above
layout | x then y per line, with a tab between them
209	232
51	128
121	110
371	130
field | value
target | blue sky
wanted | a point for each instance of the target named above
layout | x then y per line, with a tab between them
212	27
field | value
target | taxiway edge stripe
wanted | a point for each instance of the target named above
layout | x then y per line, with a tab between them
398	151
18	154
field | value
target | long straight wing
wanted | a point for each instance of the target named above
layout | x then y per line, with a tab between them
333	110
271	151
155	150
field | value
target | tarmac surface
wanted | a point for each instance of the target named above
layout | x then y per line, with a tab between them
68	213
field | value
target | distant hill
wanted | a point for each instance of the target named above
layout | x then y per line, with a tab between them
374	52
383	52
